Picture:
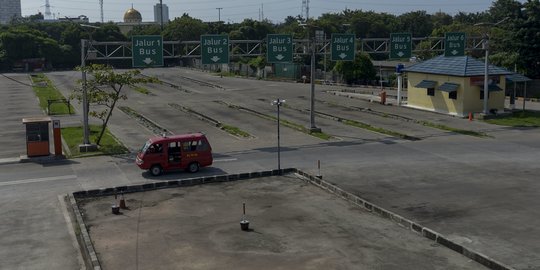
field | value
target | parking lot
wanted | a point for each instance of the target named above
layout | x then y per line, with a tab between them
478	191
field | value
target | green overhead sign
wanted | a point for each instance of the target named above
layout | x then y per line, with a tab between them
400	45
343	47
147	51
454	44
279	49
215	49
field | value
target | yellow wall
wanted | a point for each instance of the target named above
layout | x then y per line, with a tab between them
468	97
474	104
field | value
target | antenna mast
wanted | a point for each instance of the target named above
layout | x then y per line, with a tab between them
101	7
47	10
305	8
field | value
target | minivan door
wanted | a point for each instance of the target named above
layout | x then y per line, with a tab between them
174	155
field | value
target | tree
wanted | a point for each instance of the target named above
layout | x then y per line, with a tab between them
361	69
529	40
104	88
185	28
419	23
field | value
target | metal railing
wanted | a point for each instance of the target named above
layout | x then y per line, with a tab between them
98	50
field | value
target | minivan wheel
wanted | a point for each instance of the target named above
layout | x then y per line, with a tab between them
156	170
193	167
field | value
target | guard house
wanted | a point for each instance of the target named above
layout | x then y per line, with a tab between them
455	86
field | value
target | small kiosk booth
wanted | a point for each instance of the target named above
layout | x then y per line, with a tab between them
37	136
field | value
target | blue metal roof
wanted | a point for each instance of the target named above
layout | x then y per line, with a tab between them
516	77
426	84
462	66
449	87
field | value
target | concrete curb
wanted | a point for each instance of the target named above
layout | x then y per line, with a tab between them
88	252
178	183
404	222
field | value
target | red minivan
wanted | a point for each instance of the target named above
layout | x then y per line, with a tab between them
176	152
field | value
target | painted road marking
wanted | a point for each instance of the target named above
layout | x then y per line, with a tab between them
225	159
39	180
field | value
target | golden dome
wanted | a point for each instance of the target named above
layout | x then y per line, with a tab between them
132	15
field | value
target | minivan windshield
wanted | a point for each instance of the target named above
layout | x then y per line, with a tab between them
145	147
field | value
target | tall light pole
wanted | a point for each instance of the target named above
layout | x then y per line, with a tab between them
278	102
485	46
312	126
86	131
219	13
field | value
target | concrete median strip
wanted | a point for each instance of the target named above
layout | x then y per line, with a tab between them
92	260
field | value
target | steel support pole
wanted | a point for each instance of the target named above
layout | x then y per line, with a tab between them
278	137
86	137
399	88
312	94
486	77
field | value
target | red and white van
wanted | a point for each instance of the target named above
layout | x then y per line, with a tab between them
177	152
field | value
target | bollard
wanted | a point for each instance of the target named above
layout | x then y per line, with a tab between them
244	223
122	202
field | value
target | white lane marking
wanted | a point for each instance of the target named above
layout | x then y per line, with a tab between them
225	159
38	180
71	231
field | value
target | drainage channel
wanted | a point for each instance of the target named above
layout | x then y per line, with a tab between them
145	122
201	83
355	123
294	126
172	85
227	128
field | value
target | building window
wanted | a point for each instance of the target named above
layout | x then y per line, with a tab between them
482	94
452	95
431	91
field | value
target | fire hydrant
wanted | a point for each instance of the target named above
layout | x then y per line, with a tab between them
383	97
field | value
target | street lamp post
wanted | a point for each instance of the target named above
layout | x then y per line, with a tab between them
278	102
485	46
86	146
86	139
312	126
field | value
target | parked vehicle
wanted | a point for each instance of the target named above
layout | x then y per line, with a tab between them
178	152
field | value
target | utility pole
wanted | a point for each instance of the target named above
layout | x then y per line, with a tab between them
219	13
161	13
86	146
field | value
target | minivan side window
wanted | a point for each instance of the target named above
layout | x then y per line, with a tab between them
198	145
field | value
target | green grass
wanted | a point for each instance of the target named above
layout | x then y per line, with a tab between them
235	131
378	130
45	90
518	119
109	144
455	130
297	127
142	90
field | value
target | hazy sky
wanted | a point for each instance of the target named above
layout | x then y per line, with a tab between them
237	10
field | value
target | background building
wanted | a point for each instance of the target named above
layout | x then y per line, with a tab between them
157	13
132	18
9	9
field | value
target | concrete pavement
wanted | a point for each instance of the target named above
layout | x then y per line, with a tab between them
477	191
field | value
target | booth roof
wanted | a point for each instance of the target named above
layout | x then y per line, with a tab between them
462	66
